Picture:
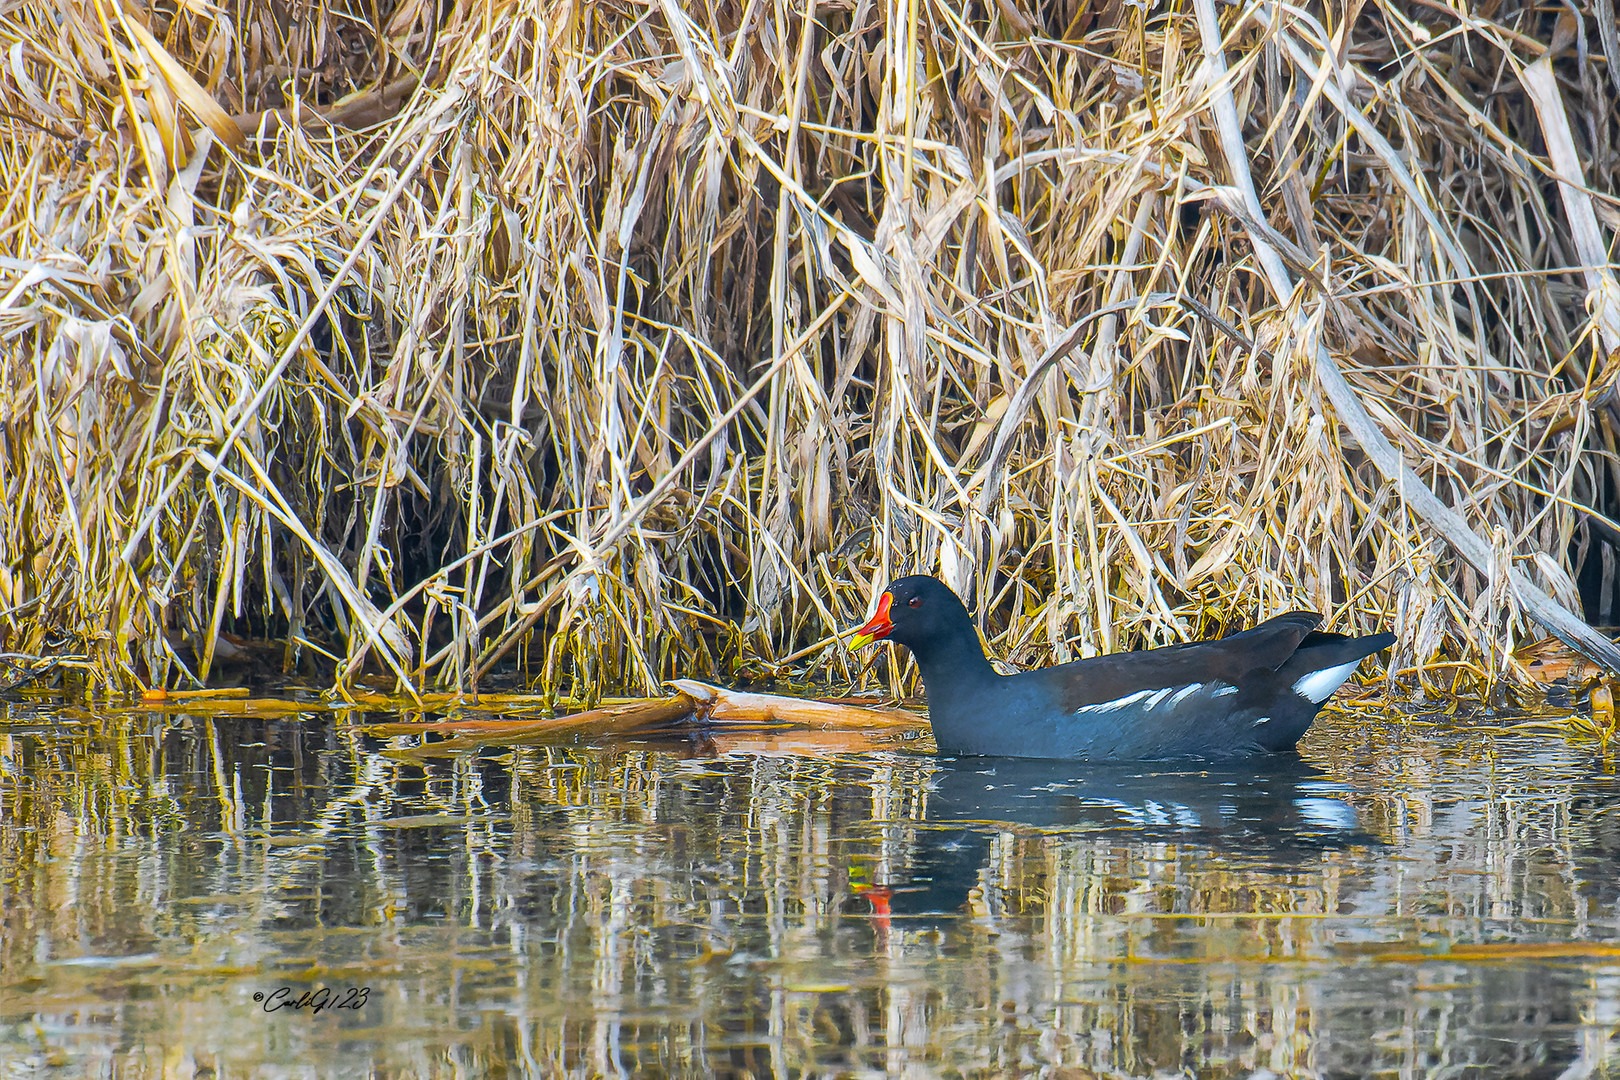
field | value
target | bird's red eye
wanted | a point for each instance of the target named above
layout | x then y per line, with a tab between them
915	601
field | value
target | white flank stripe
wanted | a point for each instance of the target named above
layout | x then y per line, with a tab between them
1110	706
1184	691
1158	696
1262	720
1223	691
1318	686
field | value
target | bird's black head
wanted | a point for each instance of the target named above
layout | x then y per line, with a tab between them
921	613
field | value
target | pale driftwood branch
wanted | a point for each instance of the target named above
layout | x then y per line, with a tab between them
715	703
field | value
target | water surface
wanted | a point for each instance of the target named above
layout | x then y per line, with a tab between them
248	898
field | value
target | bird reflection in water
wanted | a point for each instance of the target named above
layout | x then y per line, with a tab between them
1284	814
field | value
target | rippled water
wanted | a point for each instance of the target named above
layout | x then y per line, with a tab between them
1411	900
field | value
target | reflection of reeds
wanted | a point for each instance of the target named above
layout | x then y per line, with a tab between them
631	905
634	342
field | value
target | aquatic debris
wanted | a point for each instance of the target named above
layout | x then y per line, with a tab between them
19	668
1602	719
695	706
715	703
1551	661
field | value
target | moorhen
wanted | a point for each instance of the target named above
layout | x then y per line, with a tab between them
1253	692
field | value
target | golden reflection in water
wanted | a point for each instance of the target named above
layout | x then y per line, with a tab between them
1428	903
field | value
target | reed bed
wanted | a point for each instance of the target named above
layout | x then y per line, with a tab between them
621	341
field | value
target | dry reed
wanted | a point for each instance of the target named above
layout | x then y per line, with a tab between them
633	340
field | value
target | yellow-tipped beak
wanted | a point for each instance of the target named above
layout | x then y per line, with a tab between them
878	628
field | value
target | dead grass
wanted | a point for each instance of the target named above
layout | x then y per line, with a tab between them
633	341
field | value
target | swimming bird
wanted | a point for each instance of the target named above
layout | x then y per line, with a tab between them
1252	692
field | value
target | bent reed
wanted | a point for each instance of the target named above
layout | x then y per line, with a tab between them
630	340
